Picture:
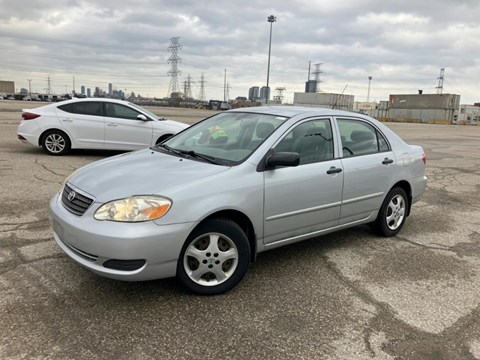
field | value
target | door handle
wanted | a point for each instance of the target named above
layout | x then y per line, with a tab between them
67	120
334	170
387	161
112	124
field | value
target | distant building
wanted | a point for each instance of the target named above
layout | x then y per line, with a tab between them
110	89
89	92
265	93
376	110
324	100
7	87
253	93
469	115
311	86
424	108
82	90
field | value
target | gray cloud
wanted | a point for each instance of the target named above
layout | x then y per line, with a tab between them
402	45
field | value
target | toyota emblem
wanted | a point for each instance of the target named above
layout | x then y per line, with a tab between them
71	195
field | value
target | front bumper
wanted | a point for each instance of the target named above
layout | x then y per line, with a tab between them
148	251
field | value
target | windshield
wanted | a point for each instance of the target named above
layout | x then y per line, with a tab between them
145	111
228	138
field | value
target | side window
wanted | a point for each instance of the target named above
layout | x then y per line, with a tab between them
120	111
312	140
360	138
87	108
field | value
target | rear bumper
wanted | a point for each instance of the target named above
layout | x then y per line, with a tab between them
418	188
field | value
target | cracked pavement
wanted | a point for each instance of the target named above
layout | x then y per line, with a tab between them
348	295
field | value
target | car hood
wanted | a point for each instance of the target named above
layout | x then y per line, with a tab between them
143	172
175	124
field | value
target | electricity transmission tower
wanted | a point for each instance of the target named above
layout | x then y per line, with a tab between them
174	60
317	73
278	98
201	95
187	90
440	81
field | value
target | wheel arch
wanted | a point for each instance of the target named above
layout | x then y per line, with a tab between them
405	185
45	132
241	220
163	138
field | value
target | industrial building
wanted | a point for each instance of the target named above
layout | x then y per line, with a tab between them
424	108
324	100
468	115
7	88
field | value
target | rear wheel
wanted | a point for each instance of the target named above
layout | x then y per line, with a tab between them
214	258
55	142
393	213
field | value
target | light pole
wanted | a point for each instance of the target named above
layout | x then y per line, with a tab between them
368	93
271	19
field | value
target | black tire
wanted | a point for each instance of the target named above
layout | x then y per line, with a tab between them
56	143
214	258
393	213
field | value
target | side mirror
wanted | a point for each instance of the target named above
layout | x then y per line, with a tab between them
283	159
142	117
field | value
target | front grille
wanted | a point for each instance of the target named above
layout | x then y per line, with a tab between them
74	201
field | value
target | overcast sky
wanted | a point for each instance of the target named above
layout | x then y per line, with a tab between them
401	44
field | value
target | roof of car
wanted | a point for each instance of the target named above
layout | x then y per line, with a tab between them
94	99
290	111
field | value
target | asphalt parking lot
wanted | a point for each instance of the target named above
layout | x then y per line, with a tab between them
349	295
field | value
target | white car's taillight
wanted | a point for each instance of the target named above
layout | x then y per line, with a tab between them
29	116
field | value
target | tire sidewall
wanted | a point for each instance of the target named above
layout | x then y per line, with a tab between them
65	150
233	231
381	226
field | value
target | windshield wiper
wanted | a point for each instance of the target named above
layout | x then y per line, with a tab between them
207	158
189	153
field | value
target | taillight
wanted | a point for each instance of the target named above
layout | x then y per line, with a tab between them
424	159
29	116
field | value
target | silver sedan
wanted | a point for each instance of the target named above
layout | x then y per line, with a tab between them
202	204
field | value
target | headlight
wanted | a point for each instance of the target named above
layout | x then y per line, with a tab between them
133	209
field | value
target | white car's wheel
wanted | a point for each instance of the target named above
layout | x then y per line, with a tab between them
55	142
214	258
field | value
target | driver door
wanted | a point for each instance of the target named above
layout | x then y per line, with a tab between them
307	198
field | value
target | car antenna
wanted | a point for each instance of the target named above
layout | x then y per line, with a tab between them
335	104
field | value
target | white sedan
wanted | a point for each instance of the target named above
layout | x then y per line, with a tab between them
94	124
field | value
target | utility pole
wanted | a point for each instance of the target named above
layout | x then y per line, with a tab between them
271	19
225	86
368	92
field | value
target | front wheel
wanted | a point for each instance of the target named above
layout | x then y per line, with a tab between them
214	258
393	213
55	142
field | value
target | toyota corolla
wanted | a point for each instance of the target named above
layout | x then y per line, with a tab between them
202	204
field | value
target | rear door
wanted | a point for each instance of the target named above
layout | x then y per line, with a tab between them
368	164
303	199
123	131
84	123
